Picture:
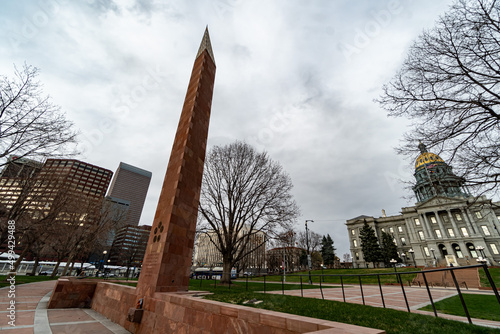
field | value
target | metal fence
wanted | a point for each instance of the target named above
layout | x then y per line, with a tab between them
399	278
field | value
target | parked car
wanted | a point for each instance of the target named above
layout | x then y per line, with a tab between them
46	273
401	265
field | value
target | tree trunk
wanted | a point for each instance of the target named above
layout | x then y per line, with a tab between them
70	259
226	273
55	269
18	261
71	269
35	266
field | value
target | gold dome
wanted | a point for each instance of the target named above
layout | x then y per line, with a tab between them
427	158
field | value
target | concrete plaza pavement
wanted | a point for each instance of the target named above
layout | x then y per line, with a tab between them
33	317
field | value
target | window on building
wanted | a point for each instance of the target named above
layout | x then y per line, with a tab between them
485	229
451	233
478	215
433	220
421	235
438	234
391	230
400	229
464	231
472	250
417	221
426	251
357	256
355	243
353	232
403	241
494	249
458	216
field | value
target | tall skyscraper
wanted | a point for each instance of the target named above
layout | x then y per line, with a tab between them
131	184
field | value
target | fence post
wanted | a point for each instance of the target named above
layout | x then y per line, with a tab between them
429	293
380	287
404	293
321	289
342	283
301	290
265	283
487	272
460	295
361	287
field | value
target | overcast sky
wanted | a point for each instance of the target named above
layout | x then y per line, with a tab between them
294	78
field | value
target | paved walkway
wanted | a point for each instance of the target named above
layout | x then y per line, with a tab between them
33	317
394	298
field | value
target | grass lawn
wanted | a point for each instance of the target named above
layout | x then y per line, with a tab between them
21	279
495	275
384	278
479	306
241	286
391	321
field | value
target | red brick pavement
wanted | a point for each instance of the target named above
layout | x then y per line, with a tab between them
32	316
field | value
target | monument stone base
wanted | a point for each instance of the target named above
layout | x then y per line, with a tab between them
182	312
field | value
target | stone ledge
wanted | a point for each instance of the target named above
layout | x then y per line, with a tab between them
171	312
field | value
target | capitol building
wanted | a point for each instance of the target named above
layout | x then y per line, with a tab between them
446	227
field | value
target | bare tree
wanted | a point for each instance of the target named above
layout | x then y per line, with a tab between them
449	85
244	195
30	124
314	240
91	222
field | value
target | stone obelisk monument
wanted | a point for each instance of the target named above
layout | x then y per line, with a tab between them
167	262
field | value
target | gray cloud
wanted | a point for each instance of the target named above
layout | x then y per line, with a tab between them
293	78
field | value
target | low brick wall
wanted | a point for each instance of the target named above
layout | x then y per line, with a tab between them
72	293
184	313
443	278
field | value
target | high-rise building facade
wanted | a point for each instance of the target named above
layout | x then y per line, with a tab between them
447	226
129	245
131	183
36	187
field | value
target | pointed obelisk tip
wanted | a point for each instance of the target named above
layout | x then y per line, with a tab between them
206	45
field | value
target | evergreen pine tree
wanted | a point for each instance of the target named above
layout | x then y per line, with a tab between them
389	249
369	245
327	250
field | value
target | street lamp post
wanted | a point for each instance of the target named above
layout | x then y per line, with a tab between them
481	251
284	264
101	267
434	256
308	254
395	270
322	277
412	252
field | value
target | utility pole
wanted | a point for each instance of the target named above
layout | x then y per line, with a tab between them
308	253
